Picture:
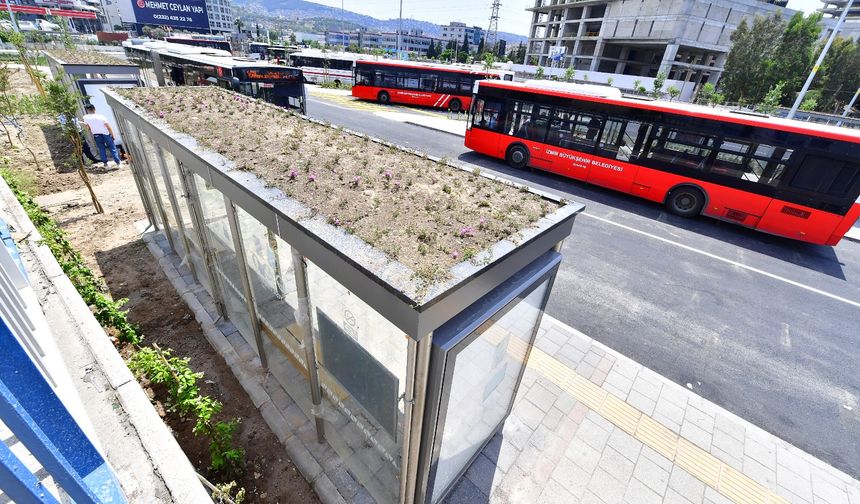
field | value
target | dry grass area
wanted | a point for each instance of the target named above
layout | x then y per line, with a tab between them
425	214
86	58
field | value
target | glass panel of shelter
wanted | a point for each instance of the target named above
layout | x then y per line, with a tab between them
144	182
153	159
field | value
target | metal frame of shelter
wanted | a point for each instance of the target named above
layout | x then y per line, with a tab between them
384	286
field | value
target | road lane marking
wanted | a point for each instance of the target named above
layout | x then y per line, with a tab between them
786	337
729	261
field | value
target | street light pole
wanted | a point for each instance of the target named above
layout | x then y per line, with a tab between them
821	56
400	29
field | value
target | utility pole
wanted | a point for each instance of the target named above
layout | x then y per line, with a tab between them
849	107
400	29
493	30
821	56
12	16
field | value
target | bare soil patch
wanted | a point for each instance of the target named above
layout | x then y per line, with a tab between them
424	214
111	246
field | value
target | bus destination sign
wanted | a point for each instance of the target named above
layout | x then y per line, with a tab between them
176	13
270	75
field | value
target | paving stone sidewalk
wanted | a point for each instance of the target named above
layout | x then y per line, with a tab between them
592	426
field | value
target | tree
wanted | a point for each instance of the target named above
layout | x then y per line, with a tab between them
638	87
772	98
239	24
292	38
839	77
569	73
431	50
810	101
489	59
673	92
465	47
481	46
17	40
63	103
746	71
447	55
539	73
658	83
794	55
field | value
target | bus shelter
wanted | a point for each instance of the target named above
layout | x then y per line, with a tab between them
406	378
89	72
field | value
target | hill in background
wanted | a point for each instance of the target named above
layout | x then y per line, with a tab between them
300	15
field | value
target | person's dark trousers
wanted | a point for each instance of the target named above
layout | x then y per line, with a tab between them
87	152
104	142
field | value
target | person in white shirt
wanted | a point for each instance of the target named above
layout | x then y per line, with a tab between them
102	134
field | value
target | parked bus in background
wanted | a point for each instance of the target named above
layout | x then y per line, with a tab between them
179	65
320	66
438	86
207	41
780	176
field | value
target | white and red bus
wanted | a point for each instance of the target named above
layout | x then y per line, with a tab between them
426	85
320	66
783	177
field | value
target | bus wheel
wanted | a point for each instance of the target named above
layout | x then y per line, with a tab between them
686	201
517	156
455	105
384	97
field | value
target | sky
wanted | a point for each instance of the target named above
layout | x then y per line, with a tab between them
512	15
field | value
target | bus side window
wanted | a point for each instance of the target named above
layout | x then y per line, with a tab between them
826	175
621	139
487	114
428	83
680	148
731	160
767	164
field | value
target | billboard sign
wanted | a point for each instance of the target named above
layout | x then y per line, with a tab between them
176	13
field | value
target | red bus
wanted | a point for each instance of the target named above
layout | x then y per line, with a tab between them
419	84
783	177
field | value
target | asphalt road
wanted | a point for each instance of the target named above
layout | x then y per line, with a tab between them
766	327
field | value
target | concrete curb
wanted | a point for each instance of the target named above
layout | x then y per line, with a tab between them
246	367
431	128
167	458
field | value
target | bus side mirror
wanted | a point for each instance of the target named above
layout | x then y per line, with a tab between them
235	83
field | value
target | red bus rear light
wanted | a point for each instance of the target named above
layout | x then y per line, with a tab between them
795	212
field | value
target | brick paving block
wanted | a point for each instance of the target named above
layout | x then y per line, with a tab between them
528	457
730	426
592	358
654	456
790	497
686	484
516	432
573	355
606	363
465	492
793	482
612	389
578	413
506	456
648	384
607	488
556	336
547	345
641	402
541	397
590	498
544	438
728	444
364	497
826	491
714	497
565	402
598	377
566	430
572	478
675	394
625	444
652	475
583	455
765	476
517	486
600	421
794	460
585	369
731	461
763	454
639	493
482	472
554	493
697	435
615	464
853	494
673	497
669	410
619	381
546	464
699	418
295	417
343	481
529	413
552	418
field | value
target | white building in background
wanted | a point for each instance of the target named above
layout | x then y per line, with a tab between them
220	15
459	31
